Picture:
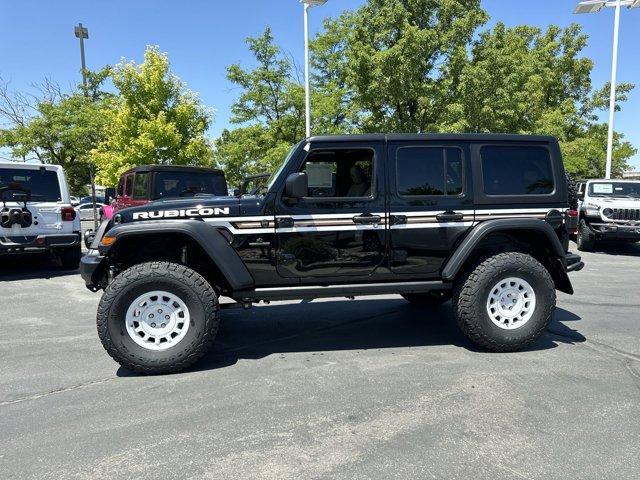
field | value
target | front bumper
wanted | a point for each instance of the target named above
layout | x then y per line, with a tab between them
613	231
89	263
37	243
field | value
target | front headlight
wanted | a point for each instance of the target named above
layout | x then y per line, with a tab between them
607	212
592	210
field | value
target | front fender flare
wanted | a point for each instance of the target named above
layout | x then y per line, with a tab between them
209	237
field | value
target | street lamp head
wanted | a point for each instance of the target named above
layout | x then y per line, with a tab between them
590	6
313	3
80	31
593	6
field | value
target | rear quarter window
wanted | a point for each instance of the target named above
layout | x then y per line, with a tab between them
516	170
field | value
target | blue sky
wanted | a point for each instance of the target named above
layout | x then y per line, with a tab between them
202	37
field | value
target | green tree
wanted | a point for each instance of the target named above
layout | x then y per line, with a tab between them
156	120
584	156
56	127
420	66
269	112
392	60
525	80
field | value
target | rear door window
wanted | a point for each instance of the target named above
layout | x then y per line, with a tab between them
429	171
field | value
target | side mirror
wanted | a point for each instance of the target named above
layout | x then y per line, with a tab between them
296	186
236	192
89	235
580	196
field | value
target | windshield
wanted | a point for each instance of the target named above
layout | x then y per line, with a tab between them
276	174
255	186
182	184
614	189
42	184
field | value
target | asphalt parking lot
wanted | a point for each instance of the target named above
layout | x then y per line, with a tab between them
372	388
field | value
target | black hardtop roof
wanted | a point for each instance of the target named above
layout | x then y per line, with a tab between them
173	168
409	137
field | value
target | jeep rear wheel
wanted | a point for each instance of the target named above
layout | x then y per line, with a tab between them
505	302
585	240
158	317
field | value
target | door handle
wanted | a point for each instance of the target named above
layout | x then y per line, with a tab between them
259	243
366	219
449	216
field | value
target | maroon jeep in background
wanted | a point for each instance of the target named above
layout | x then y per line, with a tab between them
147	183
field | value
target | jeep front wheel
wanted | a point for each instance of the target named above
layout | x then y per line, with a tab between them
505	303
585	240
158	317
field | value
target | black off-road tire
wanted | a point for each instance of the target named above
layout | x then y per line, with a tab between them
572	192
70	257
472	290
585	240
199	297
427	299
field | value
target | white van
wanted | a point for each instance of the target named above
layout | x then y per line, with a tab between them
36	214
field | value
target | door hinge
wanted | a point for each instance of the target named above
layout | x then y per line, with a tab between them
397	219
284	222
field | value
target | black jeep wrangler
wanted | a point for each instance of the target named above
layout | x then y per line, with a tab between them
478	219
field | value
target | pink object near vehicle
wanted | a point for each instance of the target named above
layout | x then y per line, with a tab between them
149	183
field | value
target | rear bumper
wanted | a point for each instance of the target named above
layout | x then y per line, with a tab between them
88	265
37	243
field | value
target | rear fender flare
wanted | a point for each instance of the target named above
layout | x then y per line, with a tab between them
473	239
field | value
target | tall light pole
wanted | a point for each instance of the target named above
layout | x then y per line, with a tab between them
307	94
82	33
594	6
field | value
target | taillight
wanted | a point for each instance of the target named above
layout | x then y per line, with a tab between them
68	214
572	213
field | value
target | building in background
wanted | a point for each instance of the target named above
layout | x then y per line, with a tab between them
631	175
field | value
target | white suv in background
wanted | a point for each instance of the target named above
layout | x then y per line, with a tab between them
608	210
36	214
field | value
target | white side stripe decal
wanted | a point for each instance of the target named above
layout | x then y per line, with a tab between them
265	224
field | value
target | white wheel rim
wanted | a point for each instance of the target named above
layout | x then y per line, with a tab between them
157	320
511	303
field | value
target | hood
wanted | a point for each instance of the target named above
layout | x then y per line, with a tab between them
181	208
615	202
